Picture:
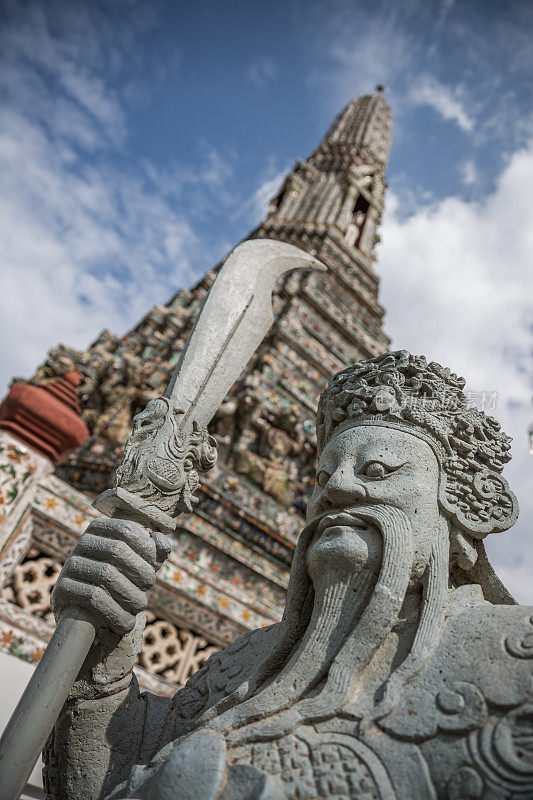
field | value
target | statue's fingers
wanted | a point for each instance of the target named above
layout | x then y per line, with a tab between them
133	533
122	590
96	602
120	555
162	546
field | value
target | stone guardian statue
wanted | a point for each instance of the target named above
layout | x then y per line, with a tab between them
402	667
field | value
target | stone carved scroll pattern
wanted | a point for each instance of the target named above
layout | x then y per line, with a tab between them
502	751
521	646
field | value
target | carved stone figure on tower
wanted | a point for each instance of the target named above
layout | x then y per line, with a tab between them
401	667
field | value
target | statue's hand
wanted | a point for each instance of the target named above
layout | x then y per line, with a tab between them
106	577
109	572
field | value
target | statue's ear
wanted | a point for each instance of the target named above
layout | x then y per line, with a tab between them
482	573
463	553
478	504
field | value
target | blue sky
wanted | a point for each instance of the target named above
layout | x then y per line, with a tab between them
139	141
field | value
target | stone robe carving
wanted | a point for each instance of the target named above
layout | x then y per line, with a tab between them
401	669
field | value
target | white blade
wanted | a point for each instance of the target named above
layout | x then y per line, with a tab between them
232	323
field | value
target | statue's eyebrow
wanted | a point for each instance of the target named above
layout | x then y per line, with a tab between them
388	458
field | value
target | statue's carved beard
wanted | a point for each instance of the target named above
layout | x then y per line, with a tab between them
328	638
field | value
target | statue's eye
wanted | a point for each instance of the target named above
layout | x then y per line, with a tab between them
376	470
322	477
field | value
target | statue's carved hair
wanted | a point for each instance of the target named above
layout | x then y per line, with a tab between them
403	391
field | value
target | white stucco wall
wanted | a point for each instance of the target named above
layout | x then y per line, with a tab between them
14	675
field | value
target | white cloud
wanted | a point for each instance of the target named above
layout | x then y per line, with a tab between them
262	71
427	90
428	54
256	206
446	7
88	240
361	57
81	249
59	78
469	173
269	182
457	281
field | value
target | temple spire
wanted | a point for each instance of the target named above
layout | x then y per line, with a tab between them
338	193
330	205
363	127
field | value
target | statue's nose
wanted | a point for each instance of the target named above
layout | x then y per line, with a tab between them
343	488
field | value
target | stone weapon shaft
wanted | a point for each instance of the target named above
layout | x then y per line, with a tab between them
158	475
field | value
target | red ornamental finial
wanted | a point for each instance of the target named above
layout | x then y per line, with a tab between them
46	417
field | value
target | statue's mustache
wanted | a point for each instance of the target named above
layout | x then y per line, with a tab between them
339	518
353	516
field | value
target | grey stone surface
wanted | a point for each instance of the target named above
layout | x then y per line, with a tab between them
401	668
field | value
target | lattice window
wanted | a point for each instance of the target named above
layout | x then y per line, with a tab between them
171	652
31	584
168	651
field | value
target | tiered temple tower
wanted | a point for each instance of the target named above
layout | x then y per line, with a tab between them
229	567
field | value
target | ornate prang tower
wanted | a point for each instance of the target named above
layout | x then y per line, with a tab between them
229	567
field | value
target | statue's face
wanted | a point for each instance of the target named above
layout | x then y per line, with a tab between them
369	465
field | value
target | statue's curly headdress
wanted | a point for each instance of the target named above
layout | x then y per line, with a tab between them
401	390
